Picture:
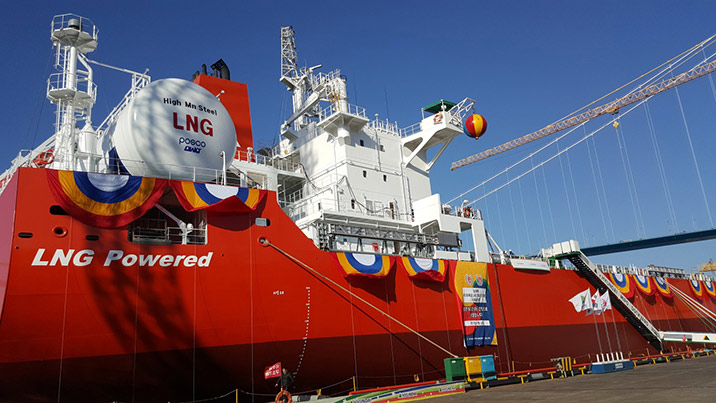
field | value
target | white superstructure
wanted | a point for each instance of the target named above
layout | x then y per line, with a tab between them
363	184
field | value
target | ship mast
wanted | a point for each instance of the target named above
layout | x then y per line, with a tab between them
308	89
72	89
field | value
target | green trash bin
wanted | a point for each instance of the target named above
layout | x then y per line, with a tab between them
454	369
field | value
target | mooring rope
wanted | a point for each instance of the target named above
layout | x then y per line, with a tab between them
705	315
266	242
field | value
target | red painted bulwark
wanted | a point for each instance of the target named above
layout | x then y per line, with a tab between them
236	100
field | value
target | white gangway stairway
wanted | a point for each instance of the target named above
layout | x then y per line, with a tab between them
654	336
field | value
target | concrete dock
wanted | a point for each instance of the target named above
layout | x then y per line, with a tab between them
691	380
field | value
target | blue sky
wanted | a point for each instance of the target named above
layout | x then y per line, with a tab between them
527	63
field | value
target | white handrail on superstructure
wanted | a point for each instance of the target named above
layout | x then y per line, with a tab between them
25	158
139	81
275	162
329	111
410	130
385	126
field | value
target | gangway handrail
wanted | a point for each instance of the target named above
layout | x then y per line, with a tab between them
613	290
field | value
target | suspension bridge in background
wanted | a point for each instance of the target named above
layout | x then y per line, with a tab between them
633	173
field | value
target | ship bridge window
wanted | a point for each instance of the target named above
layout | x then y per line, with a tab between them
167	223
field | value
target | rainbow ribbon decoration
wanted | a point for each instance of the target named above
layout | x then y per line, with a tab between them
663	287
104	200
710	289
198	196
362	264
644	284
696	289
425	269
623	283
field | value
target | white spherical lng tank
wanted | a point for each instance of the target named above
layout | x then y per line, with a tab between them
175	129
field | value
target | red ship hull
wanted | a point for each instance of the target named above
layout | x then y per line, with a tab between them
92	332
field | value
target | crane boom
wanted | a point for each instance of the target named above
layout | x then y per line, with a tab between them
611	107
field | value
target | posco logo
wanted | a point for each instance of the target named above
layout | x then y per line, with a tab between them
192	145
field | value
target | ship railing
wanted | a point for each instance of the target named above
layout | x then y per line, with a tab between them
38	158
650	270
312	205
279	163
385	126
63	21
460	211
156	231
27	158
180	172
322	78
410	130
351	109
139	81
83	84
196	237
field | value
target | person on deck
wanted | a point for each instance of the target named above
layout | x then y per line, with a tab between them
285	380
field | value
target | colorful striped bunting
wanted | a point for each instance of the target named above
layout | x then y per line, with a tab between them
362	264
662	285
421	268
623	283
104	200
644	284
198	196
696	289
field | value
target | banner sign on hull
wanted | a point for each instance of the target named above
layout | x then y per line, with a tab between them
475	302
